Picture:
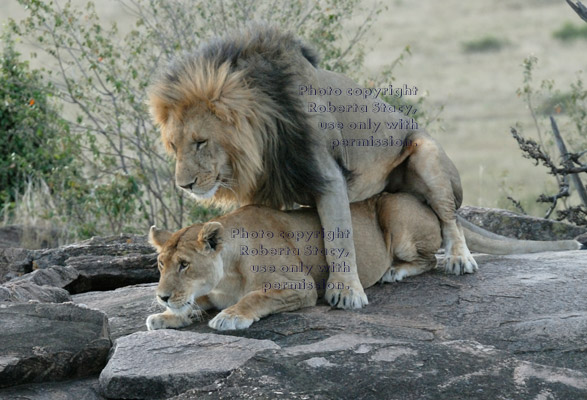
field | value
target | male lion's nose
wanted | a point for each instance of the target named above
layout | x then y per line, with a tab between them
164	298
189	185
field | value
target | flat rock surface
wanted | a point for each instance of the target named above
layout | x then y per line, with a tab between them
45	342
515	329
127	308
394	370
161	363
82	389
24	291
57	276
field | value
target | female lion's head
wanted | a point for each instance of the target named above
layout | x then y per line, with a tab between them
189	262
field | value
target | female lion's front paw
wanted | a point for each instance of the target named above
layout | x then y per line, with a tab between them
167	320
225	321
156	321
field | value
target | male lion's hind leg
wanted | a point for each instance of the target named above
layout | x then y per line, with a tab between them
401	270
258	304
431	174
169	319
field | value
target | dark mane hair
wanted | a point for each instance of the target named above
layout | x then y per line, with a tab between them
251	75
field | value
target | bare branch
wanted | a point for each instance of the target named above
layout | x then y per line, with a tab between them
579	8
567	163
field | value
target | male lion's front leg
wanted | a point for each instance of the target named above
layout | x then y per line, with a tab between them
344	289
260	303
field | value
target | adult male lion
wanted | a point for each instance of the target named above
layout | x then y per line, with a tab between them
232	114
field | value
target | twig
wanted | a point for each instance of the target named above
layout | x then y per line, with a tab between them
518	205
563	192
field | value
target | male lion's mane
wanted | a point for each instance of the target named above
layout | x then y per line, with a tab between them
247	80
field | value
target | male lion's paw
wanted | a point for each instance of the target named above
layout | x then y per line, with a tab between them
352	296
460	264
156	321
394	275
225	321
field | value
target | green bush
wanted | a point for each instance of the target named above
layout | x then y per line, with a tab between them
34	139
484	44
569	32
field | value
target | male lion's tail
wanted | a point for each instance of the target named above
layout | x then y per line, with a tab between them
483	241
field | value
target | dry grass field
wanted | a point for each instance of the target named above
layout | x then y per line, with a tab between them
477	89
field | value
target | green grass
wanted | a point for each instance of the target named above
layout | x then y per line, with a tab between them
484	44
569	32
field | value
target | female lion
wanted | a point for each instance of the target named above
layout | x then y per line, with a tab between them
258	261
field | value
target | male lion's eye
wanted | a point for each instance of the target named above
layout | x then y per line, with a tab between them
160	265
200	144
173	147
183	265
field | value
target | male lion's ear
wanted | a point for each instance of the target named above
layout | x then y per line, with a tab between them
158	105
158	237
211	236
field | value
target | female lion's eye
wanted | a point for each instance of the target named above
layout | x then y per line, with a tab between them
160	266
200	144
173	147
183	265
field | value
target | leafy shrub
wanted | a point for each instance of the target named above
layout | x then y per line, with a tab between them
34	139
569	32
484	44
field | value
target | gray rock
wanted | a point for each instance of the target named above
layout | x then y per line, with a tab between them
111	246
15	262
46	342
127	308
56	276
29	236
409	370
82	389
23	291
10	236
515	329
159	364
106	272
519	226
103	263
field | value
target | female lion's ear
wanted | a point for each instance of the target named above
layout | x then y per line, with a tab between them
158	237
211	236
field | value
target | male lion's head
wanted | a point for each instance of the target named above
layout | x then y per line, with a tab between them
209	123
189	262
231	115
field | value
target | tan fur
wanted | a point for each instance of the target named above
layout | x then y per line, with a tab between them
390	247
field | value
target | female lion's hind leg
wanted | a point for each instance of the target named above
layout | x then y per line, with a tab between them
430	174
